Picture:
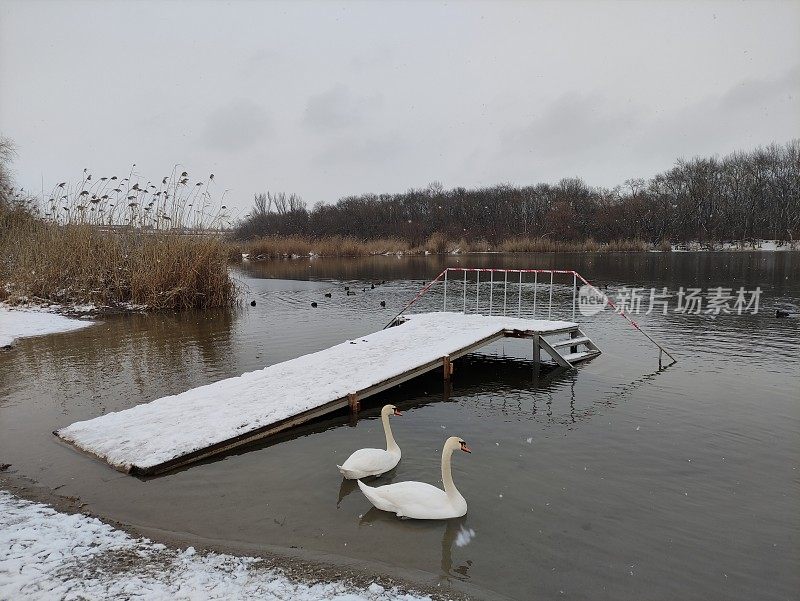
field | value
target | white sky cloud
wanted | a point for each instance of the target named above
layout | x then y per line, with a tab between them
327	99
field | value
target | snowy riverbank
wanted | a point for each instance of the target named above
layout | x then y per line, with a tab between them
45	554
18	323
738	245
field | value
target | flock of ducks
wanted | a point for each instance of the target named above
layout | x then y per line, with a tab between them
416	500
349	292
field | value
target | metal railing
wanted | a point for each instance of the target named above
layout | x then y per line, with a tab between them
525	289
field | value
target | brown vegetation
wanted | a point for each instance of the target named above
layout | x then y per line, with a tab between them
111	259
532	245
69	264
272	247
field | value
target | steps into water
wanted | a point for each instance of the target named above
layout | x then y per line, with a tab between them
176	430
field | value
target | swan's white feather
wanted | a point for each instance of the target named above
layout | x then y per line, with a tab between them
368	462
416	500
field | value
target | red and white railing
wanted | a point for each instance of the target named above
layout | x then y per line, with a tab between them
521	279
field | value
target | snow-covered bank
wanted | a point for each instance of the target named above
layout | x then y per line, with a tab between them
45	554
22	323
763	245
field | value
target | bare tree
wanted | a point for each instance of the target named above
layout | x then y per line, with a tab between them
744	195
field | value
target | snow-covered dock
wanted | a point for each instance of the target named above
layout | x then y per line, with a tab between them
175	430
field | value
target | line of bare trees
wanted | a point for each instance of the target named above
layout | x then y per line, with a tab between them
742	196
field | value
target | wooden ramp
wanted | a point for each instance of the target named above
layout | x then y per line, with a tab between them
176	430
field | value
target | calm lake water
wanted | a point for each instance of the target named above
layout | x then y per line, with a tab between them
613	481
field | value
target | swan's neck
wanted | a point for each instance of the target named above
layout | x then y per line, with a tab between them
447	475
391	445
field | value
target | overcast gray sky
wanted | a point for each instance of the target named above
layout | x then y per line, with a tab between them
327	99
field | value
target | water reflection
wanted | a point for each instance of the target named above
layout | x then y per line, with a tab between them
732	269
135	356
346	487
582	490
454	534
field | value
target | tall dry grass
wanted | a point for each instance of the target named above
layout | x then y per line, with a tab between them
535	245
173	201
273	247
82	260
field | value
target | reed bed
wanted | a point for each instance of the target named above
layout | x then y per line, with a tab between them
173	201
158	249
534	245
272	247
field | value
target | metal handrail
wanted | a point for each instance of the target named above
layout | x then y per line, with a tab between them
621	312
478	270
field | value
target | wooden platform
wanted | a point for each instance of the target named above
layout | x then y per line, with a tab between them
176	430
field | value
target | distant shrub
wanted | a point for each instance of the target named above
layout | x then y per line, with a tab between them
437	243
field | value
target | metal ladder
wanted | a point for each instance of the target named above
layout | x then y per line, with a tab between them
576	341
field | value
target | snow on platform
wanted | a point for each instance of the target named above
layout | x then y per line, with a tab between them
214	418
22	323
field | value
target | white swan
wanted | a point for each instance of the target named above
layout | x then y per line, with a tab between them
374	462
419	500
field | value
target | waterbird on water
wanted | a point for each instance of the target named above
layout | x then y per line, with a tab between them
781	313
374	462
252	303
313	304
327	295
383	303
420	500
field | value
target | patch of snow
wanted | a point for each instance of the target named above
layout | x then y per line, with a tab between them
762	245
46	555
24	323
150	434
464	536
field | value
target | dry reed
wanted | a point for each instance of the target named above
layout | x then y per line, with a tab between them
275	247
534	245
164	259
272	247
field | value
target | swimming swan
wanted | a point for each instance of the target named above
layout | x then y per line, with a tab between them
419	500
374	462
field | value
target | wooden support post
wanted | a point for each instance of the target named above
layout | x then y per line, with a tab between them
573	349
447	364
447	392
355	404
537	356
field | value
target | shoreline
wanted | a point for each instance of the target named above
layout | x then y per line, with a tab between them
85	310
31	322
767	246
301	566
